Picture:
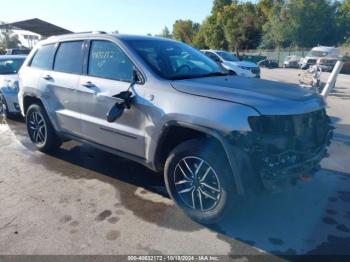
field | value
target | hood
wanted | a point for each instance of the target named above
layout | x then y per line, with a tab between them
241	63
266	97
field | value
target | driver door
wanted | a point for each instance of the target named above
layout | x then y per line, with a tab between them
109	72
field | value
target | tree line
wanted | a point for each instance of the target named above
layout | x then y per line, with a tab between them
268	24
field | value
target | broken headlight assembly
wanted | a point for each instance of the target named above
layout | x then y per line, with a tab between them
286	146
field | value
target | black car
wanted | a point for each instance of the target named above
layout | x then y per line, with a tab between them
268	63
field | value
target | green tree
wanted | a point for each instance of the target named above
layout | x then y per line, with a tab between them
200	40
185	30
302	23
276	29
166	33
343	21
265	8
242	26
311	22
8	39
212	32
219	5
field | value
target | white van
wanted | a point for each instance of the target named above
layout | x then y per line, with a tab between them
320	54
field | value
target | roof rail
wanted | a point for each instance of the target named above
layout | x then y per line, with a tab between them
78	33
91	32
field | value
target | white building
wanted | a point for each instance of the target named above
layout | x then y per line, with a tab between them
28	39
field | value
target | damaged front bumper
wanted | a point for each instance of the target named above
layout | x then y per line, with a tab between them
282	149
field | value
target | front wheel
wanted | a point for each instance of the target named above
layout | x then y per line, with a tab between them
199	180
40	129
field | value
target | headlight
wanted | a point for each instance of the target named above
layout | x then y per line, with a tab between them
13	85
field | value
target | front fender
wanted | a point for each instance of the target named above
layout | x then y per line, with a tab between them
221	138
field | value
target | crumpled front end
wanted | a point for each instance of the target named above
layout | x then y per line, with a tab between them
286	148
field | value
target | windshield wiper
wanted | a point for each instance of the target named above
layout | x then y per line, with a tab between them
182	77
215	74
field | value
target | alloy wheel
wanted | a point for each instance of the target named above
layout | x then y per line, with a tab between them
37	128
197	184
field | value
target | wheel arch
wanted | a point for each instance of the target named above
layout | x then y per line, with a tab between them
29	99
178	132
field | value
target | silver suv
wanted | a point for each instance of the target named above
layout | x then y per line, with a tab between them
166	105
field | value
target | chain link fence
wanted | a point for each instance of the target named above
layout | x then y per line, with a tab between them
276	54
281	54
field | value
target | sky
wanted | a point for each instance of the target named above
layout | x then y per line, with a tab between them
126	16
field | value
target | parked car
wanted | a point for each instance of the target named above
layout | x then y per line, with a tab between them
252	57
268	63
231	63
17	51
9	67
291	62
321	54
327	64
346	66
159	102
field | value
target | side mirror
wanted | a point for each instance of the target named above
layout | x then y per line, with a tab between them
125	97
116	111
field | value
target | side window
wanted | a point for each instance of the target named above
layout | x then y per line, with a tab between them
107	60
43	57
213	56
69	57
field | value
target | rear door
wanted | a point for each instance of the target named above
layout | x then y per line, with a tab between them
109	72
62	83
41	60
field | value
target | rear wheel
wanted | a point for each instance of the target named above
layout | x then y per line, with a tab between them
199	180
40	129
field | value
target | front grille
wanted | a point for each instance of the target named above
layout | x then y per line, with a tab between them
290	144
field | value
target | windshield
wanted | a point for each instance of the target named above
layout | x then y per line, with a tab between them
10	66
174	60
227	56
317	54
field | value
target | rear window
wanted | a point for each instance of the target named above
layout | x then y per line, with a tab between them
43	57
69	57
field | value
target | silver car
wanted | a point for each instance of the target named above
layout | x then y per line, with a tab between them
164	104
9	67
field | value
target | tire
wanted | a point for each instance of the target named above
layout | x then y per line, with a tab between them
210	161
4	113
40	129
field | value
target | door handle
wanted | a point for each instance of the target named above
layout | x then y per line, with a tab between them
88	84
47	77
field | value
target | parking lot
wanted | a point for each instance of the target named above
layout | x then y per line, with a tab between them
84	201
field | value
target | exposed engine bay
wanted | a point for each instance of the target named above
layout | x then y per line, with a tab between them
283	148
